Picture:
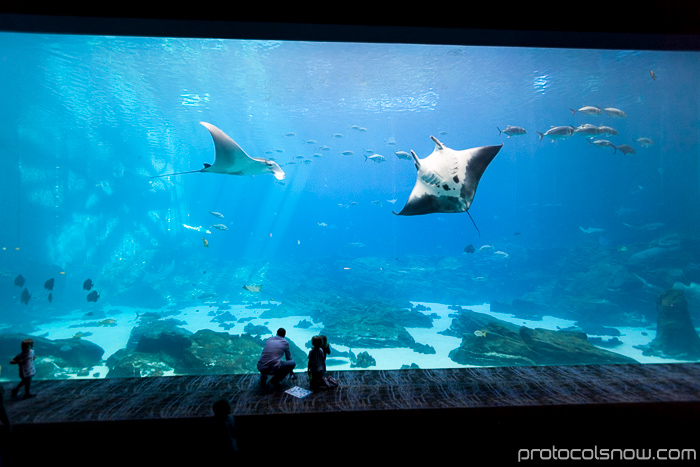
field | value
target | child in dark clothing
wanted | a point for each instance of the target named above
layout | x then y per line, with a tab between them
25	360
317	364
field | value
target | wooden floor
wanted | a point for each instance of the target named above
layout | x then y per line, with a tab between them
493	413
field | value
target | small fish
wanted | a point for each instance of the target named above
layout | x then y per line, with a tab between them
469	249
206	242
87	285
479	333
337	135
512	131
50	297
216	214
253	288
376	158
391	201
558	132
645	142
653	75
291	133
591	230
602	143
219	226
587	129
93	296
25	296
107	322
606	130
403	155
587	110
347	153
19	280
325	148
391	141
322	224
48	285
626	149
312	141
615	113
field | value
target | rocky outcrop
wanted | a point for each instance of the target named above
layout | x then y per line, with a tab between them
675	335
364	360
487	341
162	349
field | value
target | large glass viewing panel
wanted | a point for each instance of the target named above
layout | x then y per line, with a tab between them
581	245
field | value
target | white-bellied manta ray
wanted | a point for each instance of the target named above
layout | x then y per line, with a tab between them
232	160
447	179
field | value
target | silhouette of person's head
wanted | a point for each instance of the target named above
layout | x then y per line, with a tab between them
221	408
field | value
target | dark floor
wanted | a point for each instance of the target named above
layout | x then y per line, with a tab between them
484	413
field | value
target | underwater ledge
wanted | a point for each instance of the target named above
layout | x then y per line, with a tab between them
496	409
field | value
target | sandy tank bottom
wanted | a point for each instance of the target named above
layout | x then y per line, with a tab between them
115	337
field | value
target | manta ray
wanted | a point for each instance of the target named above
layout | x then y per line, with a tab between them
447	179
232	160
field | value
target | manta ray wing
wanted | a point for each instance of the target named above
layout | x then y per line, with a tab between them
232	159
446	180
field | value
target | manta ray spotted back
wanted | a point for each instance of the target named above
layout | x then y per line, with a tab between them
446	180
232	160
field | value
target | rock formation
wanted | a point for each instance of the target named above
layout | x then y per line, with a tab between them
488	341
675	334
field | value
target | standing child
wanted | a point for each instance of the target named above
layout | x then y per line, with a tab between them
25	360
329	380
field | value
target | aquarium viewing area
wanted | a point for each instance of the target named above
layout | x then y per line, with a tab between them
494	226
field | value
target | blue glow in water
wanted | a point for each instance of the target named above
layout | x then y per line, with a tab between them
88	120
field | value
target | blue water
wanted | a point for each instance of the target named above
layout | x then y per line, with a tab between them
87	120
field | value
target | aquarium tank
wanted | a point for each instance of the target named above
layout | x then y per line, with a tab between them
168	203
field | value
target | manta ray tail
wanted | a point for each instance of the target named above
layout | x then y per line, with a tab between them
176	173
477	228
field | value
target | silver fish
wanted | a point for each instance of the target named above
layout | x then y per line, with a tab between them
615	113
376	158
587	110
606	130
558	132
587	129
219	226
625	149
512	131
645	142
602	143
